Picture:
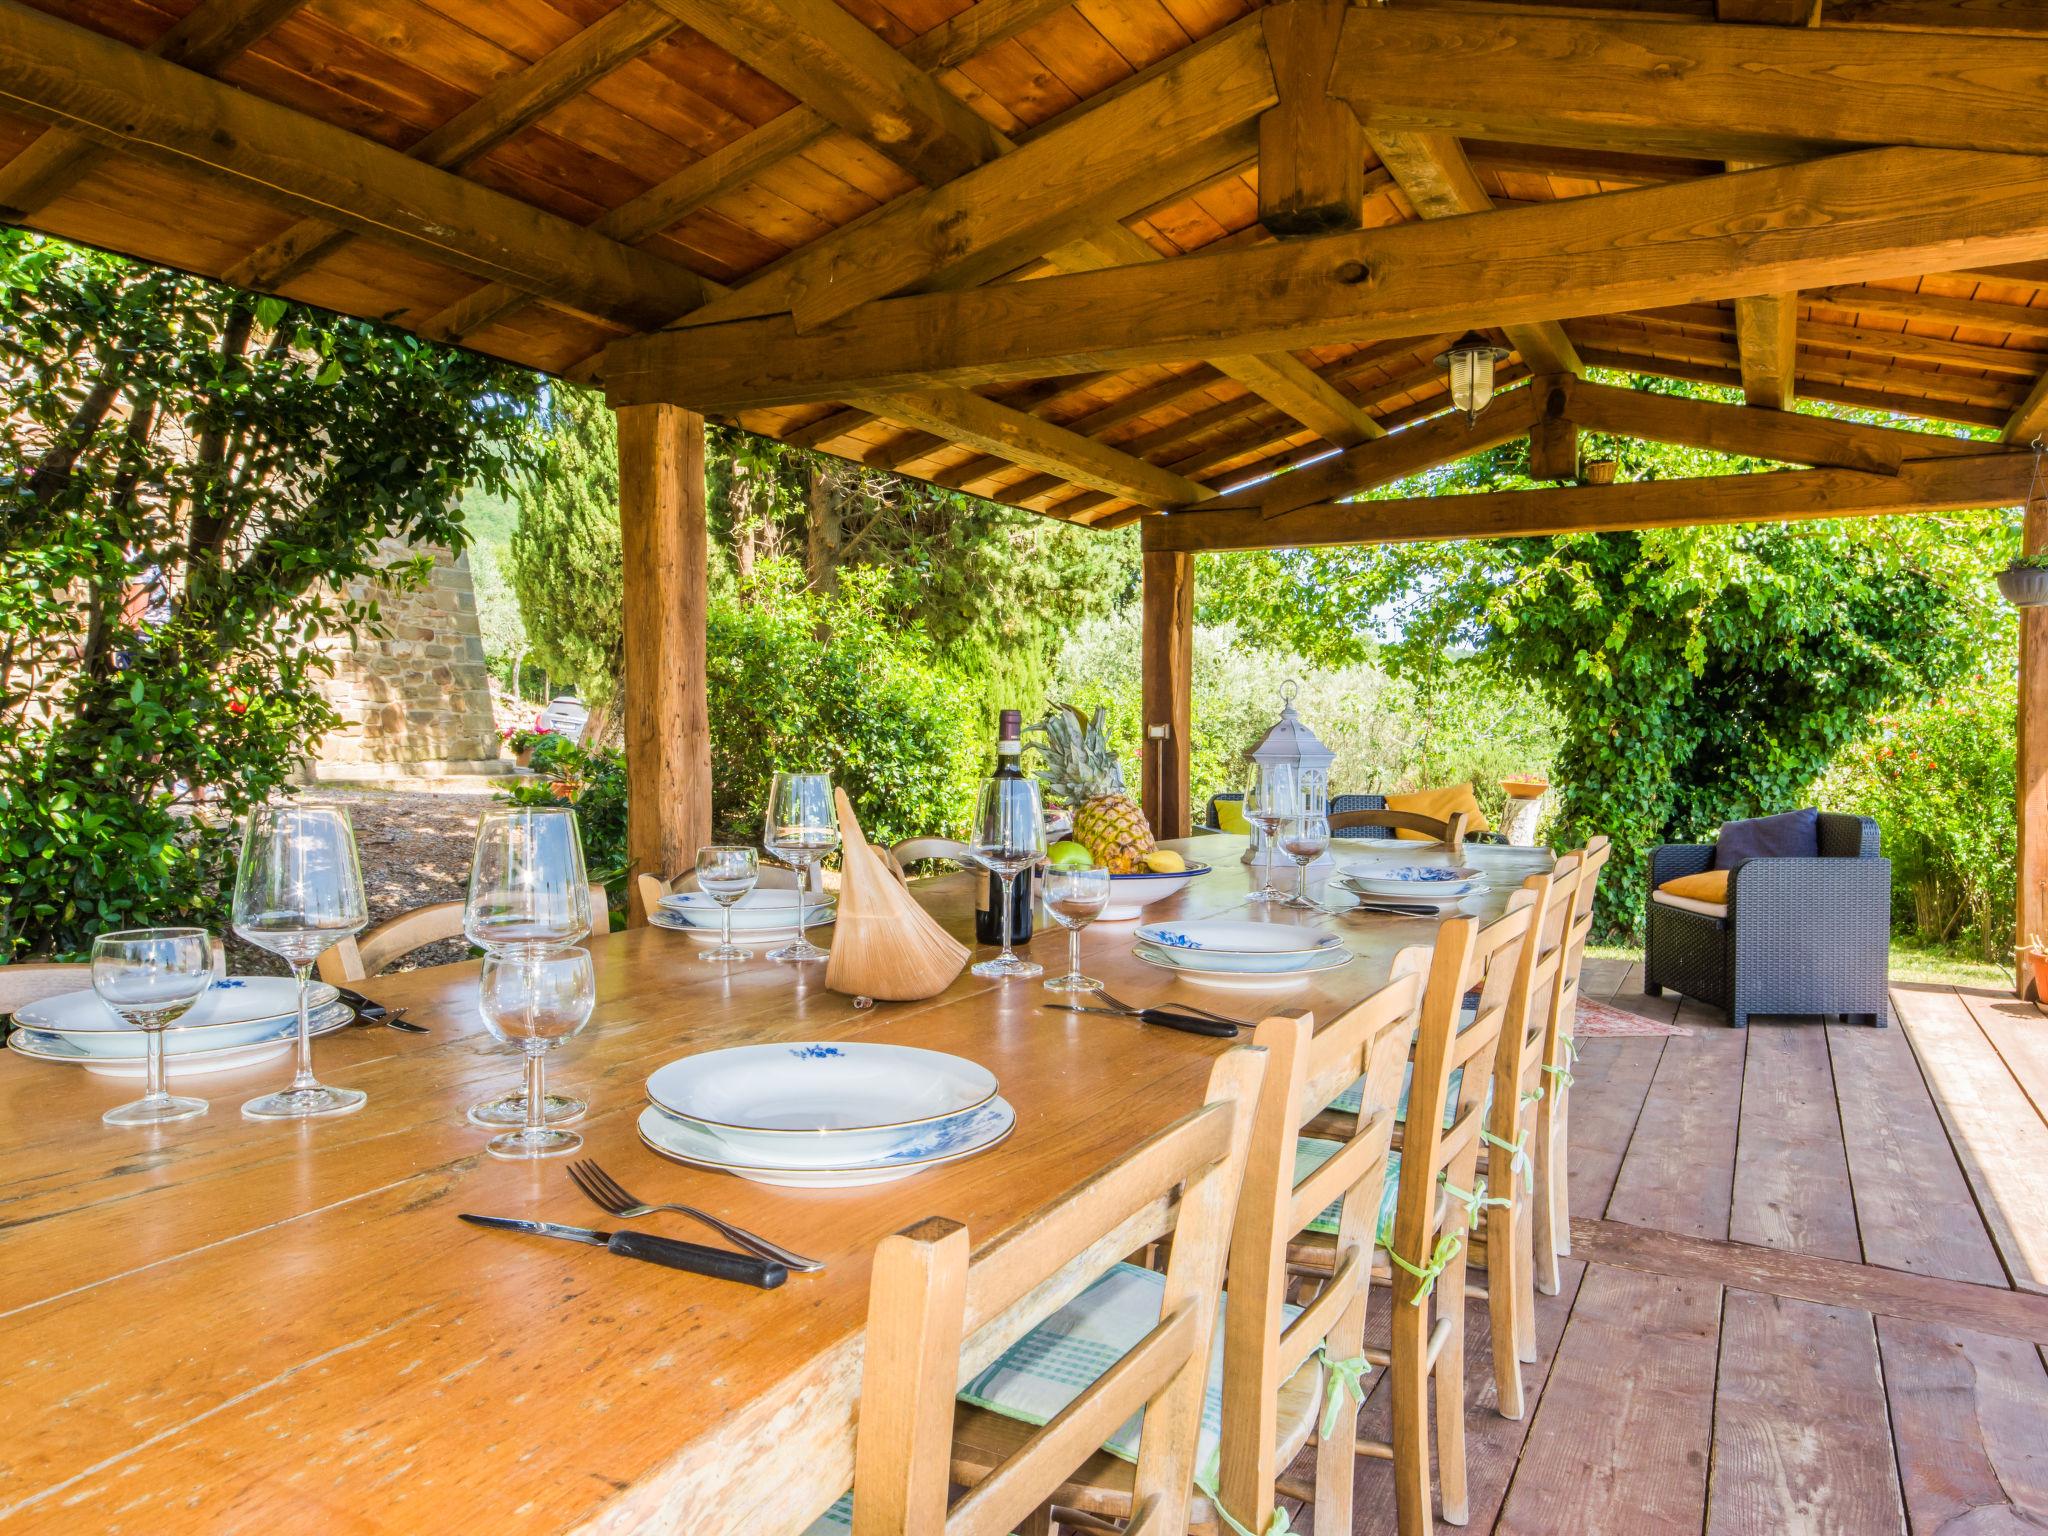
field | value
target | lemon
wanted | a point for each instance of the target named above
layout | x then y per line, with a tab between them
1164	861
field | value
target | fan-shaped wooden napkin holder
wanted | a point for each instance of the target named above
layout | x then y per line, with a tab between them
884	945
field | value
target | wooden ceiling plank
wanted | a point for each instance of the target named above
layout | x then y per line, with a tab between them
841	69
207	37
1390	458
1850	218
1439	182
1766	331
1922	485
1787	437
127	100
509	106
1735	93
1936	309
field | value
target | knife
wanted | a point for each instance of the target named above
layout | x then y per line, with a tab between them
1165	1018
718	1263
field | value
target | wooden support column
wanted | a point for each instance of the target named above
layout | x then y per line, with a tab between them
664	538
2033	751
1311	146
1554	439
1167	662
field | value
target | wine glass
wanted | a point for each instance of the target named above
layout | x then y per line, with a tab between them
299	890
1271	795
1304	839
152	977
528	886
725	874
1075	898
535	999
1009	838
800	828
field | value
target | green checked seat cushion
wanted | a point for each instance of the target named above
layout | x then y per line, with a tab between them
1311	1152
836	1521
1067	1353
1349	1101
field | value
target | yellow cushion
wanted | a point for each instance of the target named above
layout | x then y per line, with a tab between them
1708	885
1230	817
1440	803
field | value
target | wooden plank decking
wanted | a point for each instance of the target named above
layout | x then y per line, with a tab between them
1808	1293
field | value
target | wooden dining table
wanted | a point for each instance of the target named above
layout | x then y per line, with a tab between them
224	1325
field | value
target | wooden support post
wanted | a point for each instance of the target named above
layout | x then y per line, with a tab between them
2033	751
1554	439
1167	663
1311	146
664	538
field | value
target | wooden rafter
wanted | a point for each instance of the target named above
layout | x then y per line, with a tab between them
208	36
1894	391
1921	485
1439	182
1847	219
1936	308
128	100
1734	93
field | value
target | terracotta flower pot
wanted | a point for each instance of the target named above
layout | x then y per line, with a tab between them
2037	969
523	756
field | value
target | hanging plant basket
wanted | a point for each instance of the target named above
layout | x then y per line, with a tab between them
2025	586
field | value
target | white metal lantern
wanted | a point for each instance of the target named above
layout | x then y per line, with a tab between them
1470	362
1290	741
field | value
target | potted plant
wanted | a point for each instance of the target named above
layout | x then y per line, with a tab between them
523	739
2025	581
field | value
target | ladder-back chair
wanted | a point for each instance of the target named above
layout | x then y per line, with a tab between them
928	1298
377	948
1552	1214
1449	831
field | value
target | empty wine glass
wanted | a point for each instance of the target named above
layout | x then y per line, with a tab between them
535	999
1304	840
299	890
800	828
151	977
528	886
1075	898
726	874
1271	796
1009	838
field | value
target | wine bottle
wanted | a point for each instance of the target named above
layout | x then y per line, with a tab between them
988	896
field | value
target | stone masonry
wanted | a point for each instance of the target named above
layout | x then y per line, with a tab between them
415	703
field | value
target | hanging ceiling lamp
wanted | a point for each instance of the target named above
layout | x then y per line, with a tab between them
1469	362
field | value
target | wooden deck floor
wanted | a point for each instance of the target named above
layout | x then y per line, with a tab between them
1809	1291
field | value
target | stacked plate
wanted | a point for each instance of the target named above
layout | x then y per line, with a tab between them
759	917
1438	887
1217	950
240	1021
823	1116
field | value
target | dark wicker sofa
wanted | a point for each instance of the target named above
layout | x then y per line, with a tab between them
1802	936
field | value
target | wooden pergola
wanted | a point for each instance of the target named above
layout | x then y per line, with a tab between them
1120	260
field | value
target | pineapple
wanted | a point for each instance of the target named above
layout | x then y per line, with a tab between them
1081	771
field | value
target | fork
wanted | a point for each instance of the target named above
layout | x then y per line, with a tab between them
1178	1007
609	1195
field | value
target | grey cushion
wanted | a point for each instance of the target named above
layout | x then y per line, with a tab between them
1794	835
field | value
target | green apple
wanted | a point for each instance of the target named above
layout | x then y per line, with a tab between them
1069	855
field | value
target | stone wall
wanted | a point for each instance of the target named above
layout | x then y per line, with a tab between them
417	702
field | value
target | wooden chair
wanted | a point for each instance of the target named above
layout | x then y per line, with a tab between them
1552	1214
1426	1254
927	1298
1272	1387
1450	833
373	951
908	852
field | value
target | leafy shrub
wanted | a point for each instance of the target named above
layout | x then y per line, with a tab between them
1940	780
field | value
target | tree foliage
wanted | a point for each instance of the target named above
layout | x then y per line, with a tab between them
190	478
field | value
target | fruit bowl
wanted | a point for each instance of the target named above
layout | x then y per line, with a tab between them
1130	895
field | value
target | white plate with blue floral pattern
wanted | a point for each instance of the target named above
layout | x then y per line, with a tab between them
1267	969
947	1141
1217	937
184	1055
233	1008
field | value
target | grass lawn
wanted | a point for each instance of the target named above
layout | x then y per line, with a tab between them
1909	963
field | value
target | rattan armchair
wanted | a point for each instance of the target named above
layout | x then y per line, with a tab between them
1801	936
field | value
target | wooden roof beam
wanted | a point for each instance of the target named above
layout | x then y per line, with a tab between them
1734	93
2030	419
1311	146
210	35
1440	183
129	101
512	104
1880	392
1921	485
1846	219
